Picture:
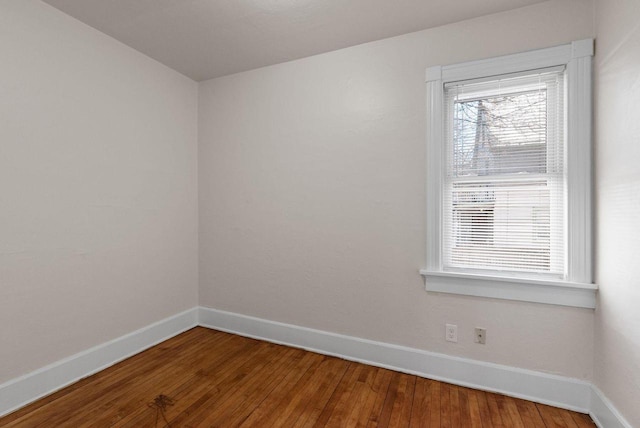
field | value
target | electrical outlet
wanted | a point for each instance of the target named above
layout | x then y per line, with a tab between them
481	335
451	333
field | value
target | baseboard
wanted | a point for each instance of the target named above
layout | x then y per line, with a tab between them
603	412
558	391
21	391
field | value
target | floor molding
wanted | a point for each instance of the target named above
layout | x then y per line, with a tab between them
559	391
21	391
603	413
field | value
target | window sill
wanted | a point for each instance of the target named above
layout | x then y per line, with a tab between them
526	290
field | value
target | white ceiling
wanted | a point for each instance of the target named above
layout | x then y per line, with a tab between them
204	39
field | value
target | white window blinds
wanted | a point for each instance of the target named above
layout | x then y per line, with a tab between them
504	187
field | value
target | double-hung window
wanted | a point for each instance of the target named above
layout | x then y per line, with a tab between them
509	142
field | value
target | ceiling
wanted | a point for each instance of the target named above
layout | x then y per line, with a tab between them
204	39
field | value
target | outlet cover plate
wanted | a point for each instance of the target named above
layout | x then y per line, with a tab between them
451	333
481	335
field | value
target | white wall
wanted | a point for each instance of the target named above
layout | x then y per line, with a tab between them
98	188
617	361
312	196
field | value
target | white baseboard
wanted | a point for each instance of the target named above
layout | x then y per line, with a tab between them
572	394
21	391
603	412
567	393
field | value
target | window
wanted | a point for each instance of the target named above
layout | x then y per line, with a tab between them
509	143
503	188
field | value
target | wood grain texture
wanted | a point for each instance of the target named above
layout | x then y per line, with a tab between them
216	379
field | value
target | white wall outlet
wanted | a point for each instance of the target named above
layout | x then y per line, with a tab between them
481	335
451	333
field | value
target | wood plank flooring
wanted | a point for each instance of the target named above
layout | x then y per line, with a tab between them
215	379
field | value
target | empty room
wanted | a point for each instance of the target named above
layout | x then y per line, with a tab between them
320	213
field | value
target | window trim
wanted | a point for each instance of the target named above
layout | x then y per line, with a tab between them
578	290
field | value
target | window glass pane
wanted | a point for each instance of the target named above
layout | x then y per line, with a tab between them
503	225
504	134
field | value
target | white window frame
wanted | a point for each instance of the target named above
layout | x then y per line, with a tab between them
578	289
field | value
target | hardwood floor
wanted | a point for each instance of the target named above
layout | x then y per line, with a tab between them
217	379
